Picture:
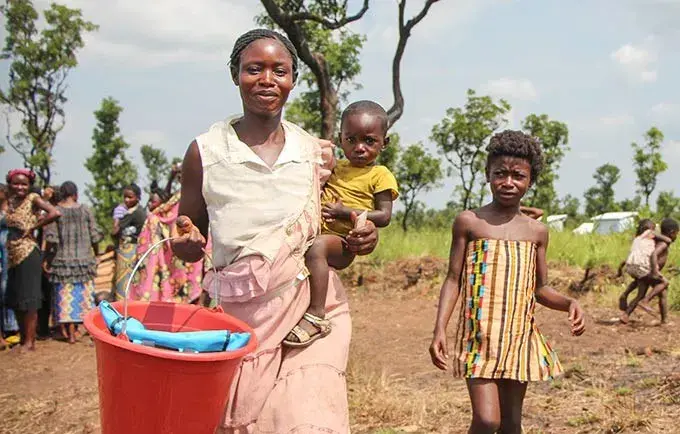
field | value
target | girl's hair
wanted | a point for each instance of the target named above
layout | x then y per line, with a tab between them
68	189
511	143
669	226
248	38
643	226
135	189
162	194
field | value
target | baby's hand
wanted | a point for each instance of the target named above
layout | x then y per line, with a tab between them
577	319
333	211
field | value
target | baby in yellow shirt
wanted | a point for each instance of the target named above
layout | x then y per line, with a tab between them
356	185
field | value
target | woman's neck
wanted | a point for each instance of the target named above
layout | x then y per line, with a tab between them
254	129
504	210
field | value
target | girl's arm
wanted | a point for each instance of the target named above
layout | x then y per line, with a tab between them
550	298
534	213
662	237
193	220
450	290
51	213
381	216
171	179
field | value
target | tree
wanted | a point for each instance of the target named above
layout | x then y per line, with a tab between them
417	172
554	137
389	157
296	18
40	61
600	198
569	205
630	204
110	168
156	163
461	138
667	204
648	162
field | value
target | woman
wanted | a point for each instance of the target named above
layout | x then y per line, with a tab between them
24	295
73	265
8	323
255	180
125	232
162	277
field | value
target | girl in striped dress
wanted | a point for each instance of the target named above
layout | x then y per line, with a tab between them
498	267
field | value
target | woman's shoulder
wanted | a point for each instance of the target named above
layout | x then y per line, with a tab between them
309	144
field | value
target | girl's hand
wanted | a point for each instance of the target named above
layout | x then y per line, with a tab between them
576	317
362	241
439	351
188	238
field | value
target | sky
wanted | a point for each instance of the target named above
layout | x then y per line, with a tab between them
604	67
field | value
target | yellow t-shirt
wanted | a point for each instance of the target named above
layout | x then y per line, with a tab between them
356	188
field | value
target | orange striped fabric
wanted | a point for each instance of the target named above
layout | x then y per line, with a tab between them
497	336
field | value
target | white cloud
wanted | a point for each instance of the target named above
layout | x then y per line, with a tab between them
516	89
638	61
148	137
665	109
617	120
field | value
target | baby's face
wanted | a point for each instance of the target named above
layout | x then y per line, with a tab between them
362	138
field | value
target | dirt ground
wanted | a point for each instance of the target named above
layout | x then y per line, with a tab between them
618	378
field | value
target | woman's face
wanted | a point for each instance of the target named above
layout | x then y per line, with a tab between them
265	77
20	185
510	178
154	202
130	199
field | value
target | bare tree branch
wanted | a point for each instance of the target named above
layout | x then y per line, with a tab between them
397	109
330	25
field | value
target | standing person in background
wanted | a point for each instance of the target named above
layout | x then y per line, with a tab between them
73	245
8	323
51	195
23	281
126	231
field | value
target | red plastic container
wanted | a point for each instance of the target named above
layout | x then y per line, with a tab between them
144	390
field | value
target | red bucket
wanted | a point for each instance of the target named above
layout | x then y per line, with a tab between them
147	390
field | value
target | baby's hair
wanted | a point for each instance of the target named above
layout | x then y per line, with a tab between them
162	194
68	189
256	34
669	226
135	189
369	107
517	144
643	226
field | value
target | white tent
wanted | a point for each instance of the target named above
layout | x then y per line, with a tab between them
614	222
584	228
556	222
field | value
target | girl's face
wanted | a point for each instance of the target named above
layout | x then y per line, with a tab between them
20	185
510	178
265	77
154	202
130	199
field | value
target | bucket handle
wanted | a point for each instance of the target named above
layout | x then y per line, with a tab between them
139	263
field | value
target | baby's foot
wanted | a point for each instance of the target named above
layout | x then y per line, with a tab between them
308	329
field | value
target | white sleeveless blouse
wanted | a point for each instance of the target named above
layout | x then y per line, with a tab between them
248	202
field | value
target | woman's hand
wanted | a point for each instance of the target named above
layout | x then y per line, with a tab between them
328	158
577	319
188	239
439	352
363	240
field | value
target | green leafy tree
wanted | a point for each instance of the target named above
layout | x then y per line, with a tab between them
39	64
317	29
389	157
630	204
600	198
648	162
156	163
417	172
569	205
461	138
667	204
554	137
110	168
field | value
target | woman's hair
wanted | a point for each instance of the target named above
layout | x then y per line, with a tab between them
68	189
135	189
643	226
517	144
162	194
28	173
248	38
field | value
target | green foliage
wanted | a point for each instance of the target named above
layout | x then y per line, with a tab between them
648	162
156	163
417	172
461	138
600	198
569	205
339	48
630	204
110	168
667	204
389	156
554	137
40	61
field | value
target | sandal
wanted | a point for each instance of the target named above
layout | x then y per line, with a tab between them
300	338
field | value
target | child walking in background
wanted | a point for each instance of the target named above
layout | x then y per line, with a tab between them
648	257
498	266
356	185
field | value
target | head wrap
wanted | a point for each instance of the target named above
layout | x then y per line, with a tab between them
28	173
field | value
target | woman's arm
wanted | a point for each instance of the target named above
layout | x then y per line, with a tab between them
174	171
192	225
448	296
547	296
51	213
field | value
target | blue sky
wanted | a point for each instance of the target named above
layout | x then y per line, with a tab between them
605	67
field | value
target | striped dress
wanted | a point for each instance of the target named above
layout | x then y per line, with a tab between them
497	336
